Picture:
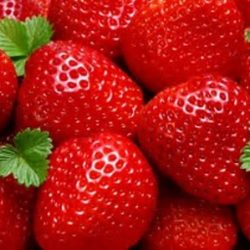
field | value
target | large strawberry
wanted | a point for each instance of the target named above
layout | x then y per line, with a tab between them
21	9
100	194
71	90
184	223
68	89
16	201
170	41
99	24
8	89
195	132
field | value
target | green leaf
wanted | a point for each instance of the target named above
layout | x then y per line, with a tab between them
13	37
27	159
245	158
20	39
20	65
39	32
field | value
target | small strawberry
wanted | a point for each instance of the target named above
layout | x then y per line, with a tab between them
98	24
244	6
16	201
184	223
21	9
100	194
170	41
8	89
195	132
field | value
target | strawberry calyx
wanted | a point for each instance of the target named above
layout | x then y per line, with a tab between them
245	158
19	39
247	35
27	159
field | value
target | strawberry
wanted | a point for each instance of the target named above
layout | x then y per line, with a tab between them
68	89
16	201
21	9
100	194
184	223
244	6
71	90
99	24
194	133
8	89
15	215
170	41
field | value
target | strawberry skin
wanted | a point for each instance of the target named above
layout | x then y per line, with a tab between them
70	90
98	24
8	89
21	9
100	194
15	210
170	41
184	223
195	132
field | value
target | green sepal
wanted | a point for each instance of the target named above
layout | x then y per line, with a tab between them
245	158
27	159
20	39
247	35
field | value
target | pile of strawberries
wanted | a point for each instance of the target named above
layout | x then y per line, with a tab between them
125	124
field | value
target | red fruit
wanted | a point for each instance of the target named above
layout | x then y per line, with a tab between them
98	24
184	223
21	9
71	90
170	41
195	132
15	210
244	6
100	194
243	212
8	89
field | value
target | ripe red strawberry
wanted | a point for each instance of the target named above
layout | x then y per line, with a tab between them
100	194
16	203
21	9
184	223
195	132
15	215
8	89
98	24
243	212
71	90
244	6
170	41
